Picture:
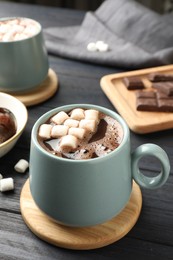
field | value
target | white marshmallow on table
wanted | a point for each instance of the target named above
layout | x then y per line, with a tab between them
68	142
6	184
71	122
77	113
1	177
92	114
77	132
91	47
88	124
59	130
45	131
21	166
59	118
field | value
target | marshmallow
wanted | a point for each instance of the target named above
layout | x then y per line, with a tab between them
101	46
21	166
59	118
71	123
24	28
21	36
6	184
30	30
89	125
8	37
92	114
77	113
13	21
69	142
17	37
1	177
91	47
4	28
77	132
17	29
45	131
59	130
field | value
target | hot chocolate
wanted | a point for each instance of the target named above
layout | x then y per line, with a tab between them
80	134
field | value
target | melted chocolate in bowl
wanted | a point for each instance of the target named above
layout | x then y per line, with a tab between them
7	125
106	138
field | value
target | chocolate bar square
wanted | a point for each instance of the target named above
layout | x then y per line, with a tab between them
153	101
161	95
146	101
165	105
133	83
145	94
157	77
165	87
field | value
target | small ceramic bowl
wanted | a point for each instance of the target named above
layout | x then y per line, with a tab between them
23	55
21	115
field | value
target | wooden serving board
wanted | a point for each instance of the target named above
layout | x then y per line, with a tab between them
124	101
80	238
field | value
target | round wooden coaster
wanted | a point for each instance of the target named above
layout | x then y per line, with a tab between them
80	238
40	93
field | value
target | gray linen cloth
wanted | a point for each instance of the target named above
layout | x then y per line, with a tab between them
137	36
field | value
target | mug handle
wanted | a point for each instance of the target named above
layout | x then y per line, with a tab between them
159	153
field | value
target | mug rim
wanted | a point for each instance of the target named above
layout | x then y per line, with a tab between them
105	110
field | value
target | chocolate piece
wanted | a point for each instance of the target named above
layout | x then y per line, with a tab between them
153	101
146	104
165	105
157	77
161	95
145	94
133	83
165	87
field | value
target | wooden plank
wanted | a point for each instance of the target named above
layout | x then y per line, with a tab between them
152	236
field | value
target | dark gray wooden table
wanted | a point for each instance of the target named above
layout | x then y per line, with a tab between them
152	236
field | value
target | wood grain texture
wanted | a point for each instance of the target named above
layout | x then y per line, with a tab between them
80	238
40	93
152	236
125	101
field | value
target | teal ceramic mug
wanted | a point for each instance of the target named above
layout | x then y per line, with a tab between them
23	62
88	192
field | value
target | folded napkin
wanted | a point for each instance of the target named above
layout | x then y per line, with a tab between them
137	36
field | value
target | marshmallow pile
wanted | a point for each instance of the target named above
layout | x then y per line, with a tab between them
100	46
70	129
17	29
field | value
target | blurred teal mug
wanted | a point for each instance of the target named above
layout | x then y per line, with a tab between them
23	55
88	192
